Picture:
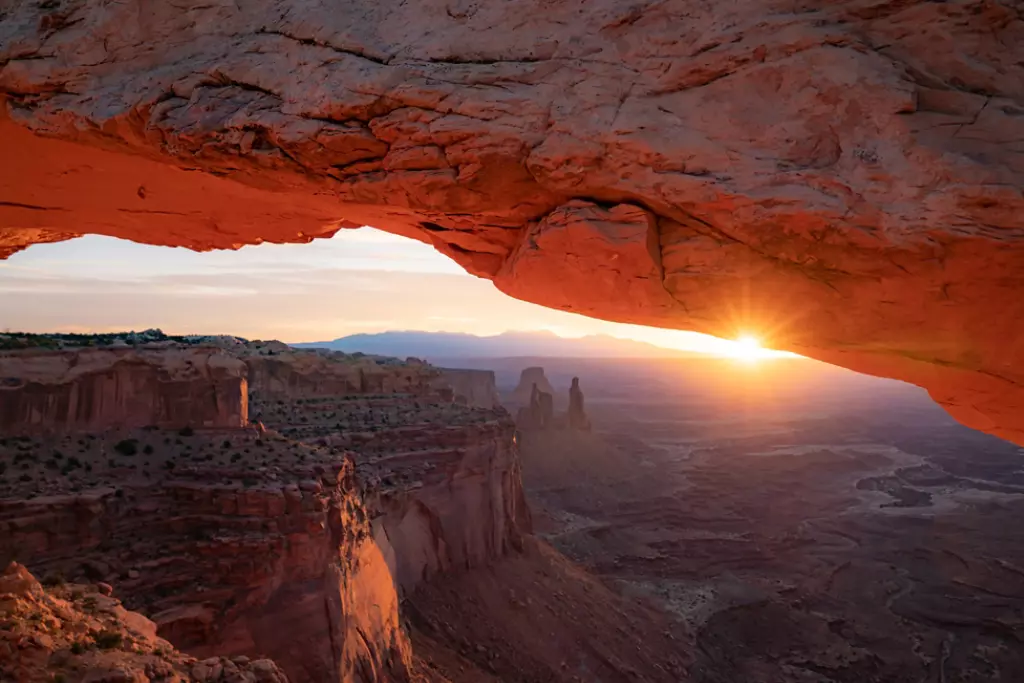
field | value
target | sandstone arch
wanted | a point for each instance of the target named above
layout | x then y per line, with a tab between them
842	177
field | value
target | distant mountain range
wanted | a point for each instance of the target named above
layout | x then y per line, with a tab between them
429	345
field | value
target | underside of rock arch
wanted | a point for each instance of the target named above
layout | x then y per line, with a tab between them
842	178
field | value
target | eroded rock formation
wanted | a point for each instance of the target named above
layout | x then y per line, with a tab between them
441	481
841	178
577	415
99	389
314	524
531	380
540	413
222	553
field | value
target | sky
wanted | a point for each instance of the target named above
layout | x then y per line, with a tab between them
361	280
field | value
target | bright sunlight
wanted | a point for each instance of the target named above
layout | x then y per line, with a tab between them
748	348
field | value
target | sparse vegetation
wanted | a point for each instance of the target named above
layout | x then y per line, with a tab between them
127	447
108	640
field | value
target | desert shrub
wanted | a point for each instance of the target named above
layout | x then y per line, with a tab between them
127	447
108	640
77	648
54	580
148	450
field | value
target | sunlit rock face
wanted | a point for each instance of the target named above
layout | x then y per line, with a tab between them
841	178
96	389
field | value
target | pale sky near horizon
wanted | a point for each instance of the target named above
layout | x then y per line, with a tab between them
359	281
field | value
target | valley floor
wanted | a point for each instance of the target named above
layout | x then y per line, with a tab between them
829	543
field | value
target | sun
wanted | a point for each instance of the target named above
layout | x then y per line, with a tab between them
747	348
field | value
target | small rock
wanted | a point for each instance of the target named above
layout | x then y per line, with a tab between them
104	588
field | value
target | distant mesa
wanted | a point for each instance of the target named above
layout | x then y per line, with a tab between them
529	379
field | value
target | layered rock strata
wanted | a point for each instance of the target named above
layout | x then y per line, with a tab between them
228	538
441	481
222	539
276	371
97	389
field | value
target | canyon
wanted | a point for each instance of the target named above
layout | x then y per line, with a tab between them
804	523
841	178
347	483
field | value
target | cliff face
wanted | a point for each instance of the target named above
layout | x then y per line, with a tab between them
460	504
476	388
293	373
441	481
99	389
842	179
224	556
314	528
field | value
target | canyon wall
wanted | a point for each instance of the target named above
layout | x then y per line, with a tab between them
98	389
840	178
441	481
457	503
280	372
226	560
295	540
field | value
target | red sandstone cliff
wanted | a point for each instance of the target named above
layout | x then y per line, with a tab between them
224	555
99	389
228	538
283	373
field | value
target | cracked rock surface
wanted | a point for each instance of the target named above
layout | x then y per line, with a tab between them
842	178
